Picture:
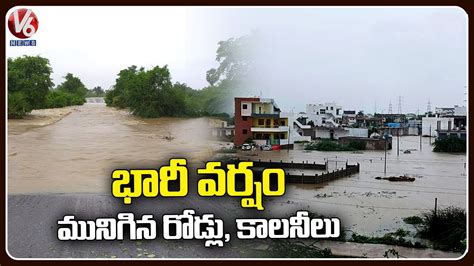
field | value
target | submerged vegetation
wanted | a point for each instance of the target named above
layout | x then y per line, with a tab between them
450	144
446	228
329	145
394	238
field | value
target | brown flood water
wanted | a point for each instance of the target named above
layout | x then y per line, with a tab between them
79	152
371	206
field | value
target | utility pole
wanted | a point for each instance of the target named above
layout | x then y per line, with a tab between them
385	149
430	134
420	131
288	139
436	207
398	141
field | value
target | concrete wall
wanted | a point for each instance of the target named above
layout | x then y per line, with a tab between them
358	132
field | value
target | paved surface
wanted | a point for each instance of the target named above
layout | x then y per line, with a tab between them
32	228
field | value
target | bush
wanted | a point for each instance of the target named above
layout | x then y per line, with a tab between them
329	145
450	144
446	228
58	99
394	238
18	106
413	220
357	145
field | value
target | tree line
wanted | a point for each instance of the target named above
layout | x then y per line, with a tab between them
151	93
145	92
30	87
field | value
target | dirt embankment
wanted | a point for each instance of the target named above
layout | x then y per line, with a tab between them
39	118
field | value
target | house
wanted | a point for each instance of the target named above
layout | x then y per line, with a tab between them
430	125
328	114
349	117
220	129
444	111
260	120
443	133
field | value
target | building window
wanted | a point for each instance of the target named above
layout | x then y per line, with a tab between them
244	118
260	122
332	108
244	131
244	106
327	108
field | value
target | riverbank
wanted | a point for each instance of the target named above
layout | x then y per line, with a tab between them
39	118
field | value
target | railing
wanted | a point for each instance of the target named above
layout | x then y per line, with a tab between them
309	179
272	115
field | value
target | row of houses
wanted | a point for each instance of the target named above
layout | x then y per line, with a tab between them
261	121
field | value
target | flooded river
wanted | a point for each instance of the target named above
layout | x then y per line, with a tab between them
371	206
79	152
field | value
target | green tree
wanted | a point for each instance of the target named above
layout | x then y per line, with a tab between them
96	92
30	76
73	85
235	60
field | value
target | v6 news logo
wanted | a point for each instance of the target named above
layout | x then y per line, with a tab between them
23	24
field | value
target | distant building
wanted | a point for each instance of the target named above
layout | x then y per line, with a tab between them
260	120
387	118
220	129
442	134
328	114
444	111
339	132
430	125
349	118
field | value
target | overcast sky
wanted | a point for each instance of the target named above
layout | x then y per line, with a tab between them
357	57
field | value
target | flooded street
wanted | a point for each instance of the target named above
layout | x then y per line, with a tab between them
79	152
369	206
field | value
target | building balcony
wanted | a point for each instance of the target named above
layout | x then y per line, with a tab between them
269	129
272	115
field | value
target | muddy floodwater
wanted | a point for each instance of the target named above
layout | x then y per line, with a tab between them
79	152
370	206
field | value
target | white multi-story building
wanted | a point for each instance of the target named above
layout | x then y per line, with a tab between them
327	114
430	125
